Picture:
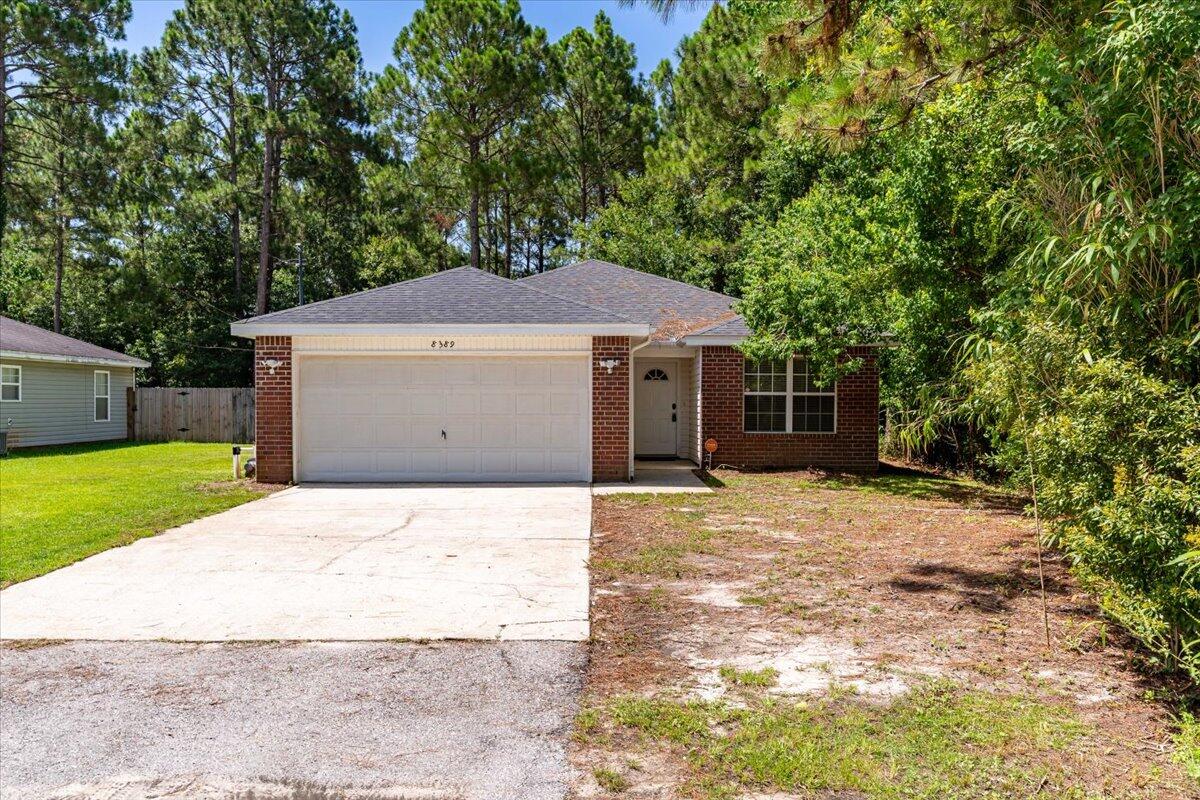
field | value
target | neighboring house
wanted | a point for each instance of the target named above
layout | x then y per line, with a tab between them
567	375
57	390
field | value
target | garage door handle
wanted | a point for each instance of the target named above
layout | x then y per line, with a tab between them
443	434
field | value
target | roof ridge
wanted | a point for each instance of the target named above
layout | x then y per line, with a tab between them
576	302
623	268
409	281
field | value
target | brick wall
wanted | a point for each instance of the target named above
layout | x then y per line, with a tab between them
853	448
610	410
273	409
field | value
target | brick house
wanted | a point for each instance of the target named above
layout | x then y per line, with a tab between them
569	375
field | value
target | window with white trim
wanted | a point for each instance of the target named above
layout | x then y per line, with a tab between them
101	383
783	397
10	383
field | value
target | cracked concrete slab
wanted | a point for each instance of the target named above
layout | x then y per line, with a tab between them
367	720
326	562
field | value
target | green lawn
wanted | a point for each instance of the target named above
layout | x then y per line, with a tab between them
66	503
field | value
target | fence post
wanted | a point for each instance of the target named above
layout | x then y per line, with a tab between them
130	412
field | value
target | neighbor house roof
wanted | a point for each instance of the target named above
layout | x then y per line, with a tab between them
458	297
673	308
23	341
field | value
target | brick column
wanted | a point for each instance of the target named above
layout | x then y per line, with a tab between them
610	409
273	409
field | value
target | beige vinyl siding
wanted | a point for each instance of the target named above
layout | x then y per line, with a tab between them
687	409
57	404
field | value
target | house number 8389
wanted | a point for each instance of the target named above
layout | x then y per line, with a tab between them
442	344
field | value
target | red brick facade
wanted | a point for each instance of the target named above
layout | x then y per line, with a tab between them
610	409
853	448
273	409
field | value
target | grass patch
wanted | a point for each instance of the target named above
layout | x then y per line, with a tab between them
1187	745
610	780
938	741
757	678
66	503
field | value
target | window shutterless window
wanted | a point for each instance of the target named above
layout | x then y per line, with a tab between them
10	383
101	381
783	397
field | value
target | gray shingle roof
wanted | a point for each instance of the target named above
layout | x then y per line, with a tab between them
20	337
463	296
673	308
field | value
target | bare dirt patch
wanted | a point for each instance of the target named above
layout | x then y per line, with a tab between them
857	592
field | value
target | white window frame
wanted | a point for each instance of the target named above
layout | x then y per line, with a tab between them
18	384
789	417
107	395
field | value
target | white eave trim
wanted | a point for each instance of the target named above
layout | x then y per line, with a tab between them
61	359
249	330
713	341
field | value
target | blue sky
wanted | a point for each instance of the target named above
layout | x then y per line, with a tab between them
379	21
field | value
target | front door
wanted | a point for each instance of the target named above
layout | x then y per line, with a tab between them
655	414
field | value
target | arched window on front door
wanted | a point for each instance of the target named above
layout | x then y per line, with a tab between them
655	375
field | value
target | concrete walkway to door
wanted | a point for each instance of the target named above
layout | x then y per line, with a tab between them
335	562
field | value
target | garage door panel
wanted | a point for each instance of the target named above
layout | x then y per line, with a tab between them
565	403
393	401
464	402
531	403
392	432
381	418
425	431
461	373
497	402
496	431
462	462
496	462
565	373
496	373
426	403
565	461
394	462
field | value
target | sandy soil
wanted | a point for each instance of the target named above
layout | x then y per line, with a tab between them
872	587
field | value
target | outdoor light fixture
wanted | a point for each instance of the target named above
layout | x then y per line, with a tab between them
272	364
609	363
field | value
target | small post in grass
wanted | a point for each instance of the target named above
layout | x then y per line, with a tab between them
237	462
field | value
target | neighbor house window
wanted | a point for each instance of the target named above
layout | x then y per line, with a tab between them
10	383
783	397
102	381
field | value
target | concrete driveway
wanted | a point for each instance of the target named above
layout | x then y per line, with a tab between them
335	562
365	720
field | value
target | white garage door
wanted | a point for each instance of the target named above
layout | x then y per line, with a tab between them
432	419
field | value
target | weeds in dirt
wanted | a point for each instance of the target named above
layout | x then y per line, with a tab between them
757	678
610	780
940	740
1187	744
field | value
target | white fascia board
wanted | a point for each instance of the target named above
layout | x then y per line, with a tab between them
712	341
249	330
61	359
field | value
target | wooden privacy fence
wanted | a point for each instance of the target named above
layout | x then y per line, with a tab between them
191	415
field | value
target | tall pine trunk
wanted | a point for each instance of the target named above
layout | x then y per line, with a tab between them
263	298
60	234
507	233
3	152
473	216
236	221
